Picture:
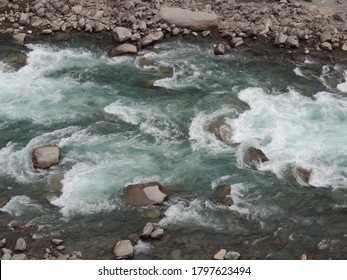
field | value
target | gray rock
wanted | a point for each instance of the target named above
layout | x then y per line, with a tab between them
6	251
123	50
3	242
62	257
121	34
145	194
256	155
197	21
232	256
21	245
57	241
77	9
142	25
45	157
220	255
3	3
158	233
19	38
344	47
147	230
205	33
219	49
47	31
135	37
61	248
221	130
151	38
326	46
123	249
280	39
236	41
77	254
302	174
175	31
292	42
6	257
98	26
19	257
325	36
24	19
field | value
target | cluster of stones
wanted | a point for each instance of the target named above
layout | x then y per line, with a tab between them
222	254
56	252
124	249
20	248
141	23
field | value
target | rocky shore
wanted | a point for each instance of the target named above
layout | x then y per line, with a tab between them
286	23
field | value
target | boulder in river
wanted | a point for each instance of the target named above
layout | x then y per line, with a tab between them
151	38
256	155
19	38
21	245
146	61
121	34
123	50
45	157
123	249
219	49
145	194
302	174
198	21
16	59
221	130
222	195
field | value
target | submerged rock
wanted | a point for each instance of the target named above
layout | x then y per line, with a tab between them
221	130
302	174
16	60
45	157
123	249
256	155
145	194
198	21
222	195
232	256
146	61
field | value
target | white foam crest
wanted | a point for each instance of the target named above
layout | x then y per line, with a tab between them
142	247
343	86
220	181
200	138
21	205
298	72
16	162
86	190
190	212
294	130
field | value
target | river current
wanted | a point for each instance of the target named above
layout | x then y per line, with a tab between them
114	128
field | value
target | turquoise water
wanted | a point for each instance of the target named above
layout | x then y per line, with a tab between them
115	129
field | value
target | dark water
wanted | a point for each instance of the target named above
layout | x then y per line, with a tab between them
114	129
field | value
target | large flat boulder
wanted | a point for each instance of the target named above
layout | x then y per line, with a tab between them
198	21
145	194
123	50
45	157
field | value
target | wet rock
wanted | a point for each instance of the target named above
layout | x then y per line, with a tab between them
146	61
19	38
184	18
123	50
158	233
16	60
24	19
232	256
302	174
220	255
151	38
147	230
221	130
6	257
152	213
304	257
123	249
219	49
21	245
4	201
61	248
47	31
145	194
45	157
121	34
236	41
3	242
62	257
222	195
256	155
19	257
57	241
134	238
77	254
292	42
325	37
176	254
206	33
280	39
175	31
147	83
326	46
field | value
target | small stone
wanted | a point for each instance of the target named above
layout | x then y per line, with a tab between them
236	41
21	245
325	36
219	49
77	254
62	257
60	247
326	46
280	39
292	42
232	256
6	251
6	257
19	257
77	9
256	155
344	47
57	241
46	31
134	238
220	254
158	233
205	33
3	242
147	230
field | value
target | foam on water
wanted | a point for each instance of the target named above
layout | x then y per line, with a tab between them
294	130
298	72
343	86
142	247
19	205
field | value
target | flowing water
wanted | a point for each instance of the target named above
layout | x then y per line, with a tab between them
114	128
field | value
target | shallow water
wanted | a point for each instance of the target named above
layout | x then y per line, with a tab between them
114	129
